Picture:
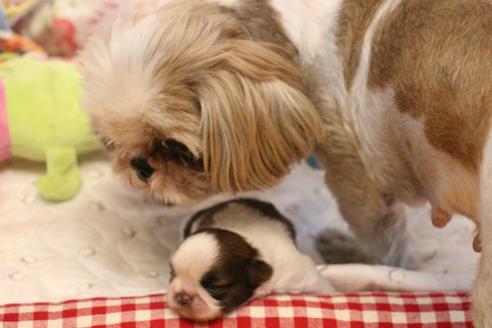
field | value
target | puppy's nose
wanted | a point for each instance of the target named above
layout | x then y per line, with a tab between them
182	299
142	168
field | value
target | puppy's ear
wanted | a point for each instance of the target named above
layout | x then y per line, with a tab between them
259	272
256	120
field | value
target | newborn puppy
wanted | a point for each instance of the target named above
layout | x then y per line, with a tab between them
234	252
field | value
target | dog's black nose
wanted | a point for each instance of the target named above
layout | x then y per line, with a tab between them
182	299
142	168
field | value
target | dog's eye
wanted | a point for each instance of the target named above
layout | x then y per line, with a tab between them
142	168
177	152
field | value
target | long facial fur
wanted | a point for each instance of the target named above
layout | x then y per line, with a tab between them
190	73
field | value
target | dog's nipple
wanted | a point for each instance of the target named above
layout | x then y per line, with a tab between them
477	244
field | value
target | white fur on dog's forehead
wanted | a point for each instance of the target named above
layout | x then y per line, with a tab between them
196	256
120	67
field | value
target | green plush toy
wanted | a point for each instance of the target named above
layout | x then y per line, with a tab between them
41	120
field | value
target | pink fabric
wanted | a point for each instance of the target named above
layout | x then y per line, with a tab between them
5	152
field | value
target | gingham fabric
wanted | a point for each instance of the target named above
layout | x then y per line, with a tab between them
381	310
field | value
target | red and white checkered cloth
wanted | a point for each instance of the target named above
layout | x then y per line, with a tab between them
381	310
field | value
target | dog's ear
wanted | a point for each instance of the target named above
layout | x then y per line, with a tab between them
256	120
259	272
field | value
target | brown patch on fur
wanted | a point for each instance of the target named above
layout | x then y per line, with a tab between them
436	54
237	272
262	23
353	22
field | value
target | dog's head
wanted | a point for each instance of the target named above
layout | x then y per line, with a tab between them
189	106
213	272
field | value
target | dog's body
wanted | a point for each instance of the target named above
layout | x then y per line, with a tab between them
225	95
234	252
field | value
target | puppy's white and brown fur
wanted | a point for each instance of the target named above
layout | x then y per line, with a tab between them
234	252
212	96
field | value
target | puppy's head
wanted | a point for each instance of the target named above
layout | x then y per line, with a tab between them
189	106
213	272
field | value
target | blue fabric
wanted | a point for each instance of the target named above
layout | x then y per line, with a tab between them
4	22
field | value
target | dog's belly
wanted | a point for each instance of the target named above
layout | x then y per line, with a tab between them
446	183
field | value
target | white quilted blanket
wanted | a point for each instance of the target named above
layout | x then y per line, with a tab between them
113	241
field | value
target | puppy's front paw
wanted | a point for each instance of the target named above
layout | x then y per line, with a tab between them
327	289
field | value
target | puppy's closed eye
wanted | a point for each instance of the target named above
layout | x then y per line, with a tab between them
218	292
217	289
173	150
172	274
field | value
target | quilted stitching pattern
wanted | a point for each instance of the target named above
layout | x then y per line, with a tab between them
112	241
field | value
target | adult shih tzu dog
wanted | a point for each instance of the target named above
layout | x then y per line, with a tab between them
223	96
234	252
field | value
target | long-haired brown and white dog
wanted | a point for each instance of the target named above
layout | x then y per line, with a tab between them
223	96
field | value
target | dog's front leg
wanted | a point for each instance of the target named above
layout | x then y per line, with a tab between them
375	217
482	291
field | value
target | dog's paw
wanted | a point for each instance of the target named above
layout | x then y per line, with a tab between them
336	247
